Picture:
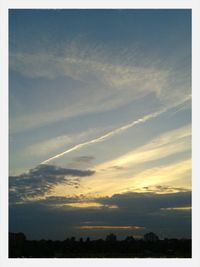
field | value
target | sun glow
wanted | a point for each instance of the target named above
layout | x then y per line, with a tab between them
87	205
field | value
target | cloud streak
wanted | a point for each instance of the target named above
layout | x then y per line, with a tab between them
111	227
116	131
177	209
89	205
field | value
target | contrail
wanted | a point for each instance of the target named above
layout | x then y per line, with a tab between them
114	132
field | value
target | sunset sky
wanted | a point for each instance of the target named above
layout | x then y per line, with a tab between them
100	123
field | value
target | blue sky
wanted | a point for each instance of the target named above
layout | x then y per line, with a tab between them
102	98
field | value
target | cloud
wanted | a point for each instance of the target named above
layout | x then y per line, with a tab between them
158	177
183	209
92	69
88	205
161	165
57	171
138	202
84	159
134	209
113	83
124	200
41	180
51	145
148	202
80	162
115	167
113	132
75	202
83	61
160	189
174	174
173	142
111	227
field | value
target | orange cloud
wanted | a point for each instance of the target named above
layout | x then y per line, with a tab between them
85	205
90	205
97	227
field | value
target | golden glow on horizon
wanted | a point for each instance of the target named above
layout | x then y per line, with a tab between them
177	209
91	205
113	181
120	182
86	205
164	174
122	227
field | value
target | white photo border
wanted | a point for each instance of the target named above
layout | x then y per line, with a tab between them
5	5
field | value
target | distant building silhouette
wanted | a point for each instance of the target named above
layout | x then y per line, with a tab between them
151	237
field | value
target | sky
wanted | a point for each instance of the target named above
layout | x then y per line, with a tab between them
100	122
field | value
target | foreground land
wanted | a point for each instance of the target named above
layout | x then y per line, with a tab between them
19	247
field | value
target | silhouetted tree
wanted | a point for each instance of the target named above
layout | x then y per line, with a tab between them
87	239
109	248
111	238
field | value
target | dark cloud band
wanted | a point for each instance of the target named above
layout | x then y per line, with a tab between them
41	180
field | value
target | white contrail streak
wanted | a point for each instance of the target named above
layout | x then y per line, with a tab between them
114	132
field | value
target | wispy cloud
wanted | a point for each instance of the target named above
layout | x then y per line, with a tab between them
113	133
113	84
167	144
83	59
44	148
